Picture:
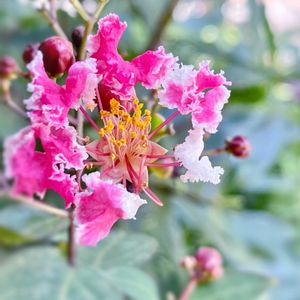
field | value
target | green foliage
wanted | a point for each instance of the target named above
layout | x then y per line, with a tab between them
252	217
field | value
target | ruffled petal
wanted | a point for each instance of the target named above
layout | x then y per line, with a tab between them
101	206
50	103
35	171
198	169
201	93
152	66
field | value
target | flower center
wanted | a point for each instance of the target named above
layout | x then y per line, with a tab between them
126	133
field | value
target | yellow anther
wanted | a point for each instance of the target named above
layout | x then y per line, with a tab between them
122	126
101	132
147	112
136	101
112	156
141	105
133	134
109	126
104	113
122	142
143	137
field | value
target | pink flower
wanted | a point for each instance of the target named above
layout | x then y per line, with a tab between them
100	206
198	168
201	93
120	76
35	171
50	102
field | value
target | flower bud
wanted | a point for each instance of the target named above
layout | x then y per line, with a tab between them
58	55
8	68
77	35
30	52
238	146
189	263
209	264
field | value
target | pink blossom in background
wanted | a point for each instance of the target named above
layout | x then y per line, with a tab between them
100	206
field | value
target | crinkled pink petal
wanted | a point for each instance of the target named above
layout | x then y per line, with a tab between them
100	207
62	144
81	82
34	172
207	79
50	102
198	168
210	116
201	93
119	75
152	66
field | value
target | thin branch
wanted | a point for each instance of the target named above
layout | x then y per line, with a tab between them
81	11
12	105
37	204
71	239
162	24
186	293
53	23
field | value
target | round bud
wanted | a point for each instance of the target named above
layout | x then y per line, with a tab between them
209	264
8	68
77	35
58	55
30	52
238	146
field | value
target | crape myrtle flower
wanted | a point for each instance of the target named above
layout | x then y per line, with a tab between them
125	148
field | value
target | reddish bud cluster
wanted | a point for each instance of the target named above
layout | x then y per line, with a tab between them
8	67
205	265
30	52
58	55
238	146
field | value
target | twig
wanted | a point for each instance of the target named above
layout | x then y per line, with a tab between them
37	204
12	105
81	11
71	238
188	289
162	23
53	23
213	152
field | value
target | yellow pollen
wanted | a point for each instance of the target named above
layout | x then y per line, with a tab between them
112	156
101	132
133	134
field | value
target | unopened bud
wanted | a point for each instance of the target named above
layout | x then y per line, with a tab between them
8	68
30	52
77	36
238	146
58	55
188	263
209	264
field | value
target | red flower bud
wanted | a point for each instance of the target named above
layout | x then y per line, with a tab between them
209	264
238	146
8	67
30	52
58	55
77	35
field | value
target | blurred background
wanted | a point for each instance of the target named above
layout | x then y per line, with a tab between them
251	217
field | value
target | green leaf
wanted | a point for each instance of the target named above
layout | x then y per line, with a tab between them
248	95
11	238
240	286
134	283
120	248
42	273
